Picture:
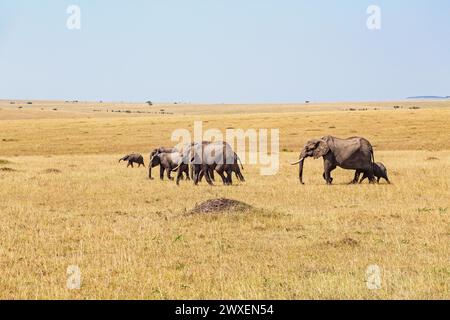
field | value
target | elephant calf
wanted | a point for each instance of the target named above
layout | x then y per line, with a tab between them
133	158
379	171
168	162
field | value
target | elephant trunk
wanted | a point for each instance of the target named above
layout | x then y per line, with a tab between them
301	171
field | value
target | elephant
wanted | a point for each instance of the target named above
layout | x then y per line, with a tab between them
379	171
355	153
156	152
206	157
168	163
217	156
188	151
133	158
235	167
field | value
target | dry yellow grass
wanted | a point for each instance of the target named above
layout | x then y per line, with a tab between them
131	237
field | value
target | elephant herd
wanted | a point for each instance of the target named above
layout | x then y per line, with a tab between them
197	161
203	159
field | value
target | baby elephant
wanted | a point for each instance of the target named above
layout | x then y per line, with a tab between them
133	158
379	171
167	162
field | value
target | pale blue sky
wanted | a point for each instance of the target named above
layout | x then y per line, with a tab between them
224	51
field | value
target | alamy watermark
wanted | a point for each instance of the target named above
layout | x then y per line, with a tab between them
73	277
74	20
374	19
373	277
260	150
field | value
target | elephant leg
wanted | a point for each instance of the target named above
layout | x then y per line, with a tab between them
161	172
324	177
222	175
220	171
356	178
211	173
224	179
371	176
179	175
329	167
186	171
230	176
169	174
239	175
364	177
207	175
197	173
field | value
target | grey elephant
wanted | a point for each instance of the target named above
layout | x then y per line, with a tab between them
168	162
379	171
188	151
235	167
156	152
133	158
218	157
354	153
206	157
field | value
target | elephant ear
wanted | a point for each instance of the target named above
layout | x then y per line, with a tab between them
321	150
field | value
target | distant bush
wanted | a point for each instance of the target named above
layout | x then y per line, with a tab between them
149	103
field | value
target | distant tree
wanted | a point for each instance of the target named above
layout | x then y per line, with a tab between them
149	103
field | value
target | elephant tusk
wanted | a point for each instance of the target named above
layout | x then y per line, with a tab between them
298	161
178	167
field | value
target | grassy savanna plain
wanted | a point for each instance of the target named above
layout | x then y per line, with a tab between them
66	201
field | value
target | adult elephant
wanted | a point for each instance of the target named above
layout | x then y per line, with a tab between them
235	167
207	157
188	152
216	156
354	153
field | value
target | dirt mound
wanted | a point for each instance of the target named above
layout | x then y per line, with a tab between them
51	171
7	170
220	206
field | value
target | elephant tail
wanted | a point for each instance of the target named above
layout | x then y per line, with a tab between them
239	159
373	156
